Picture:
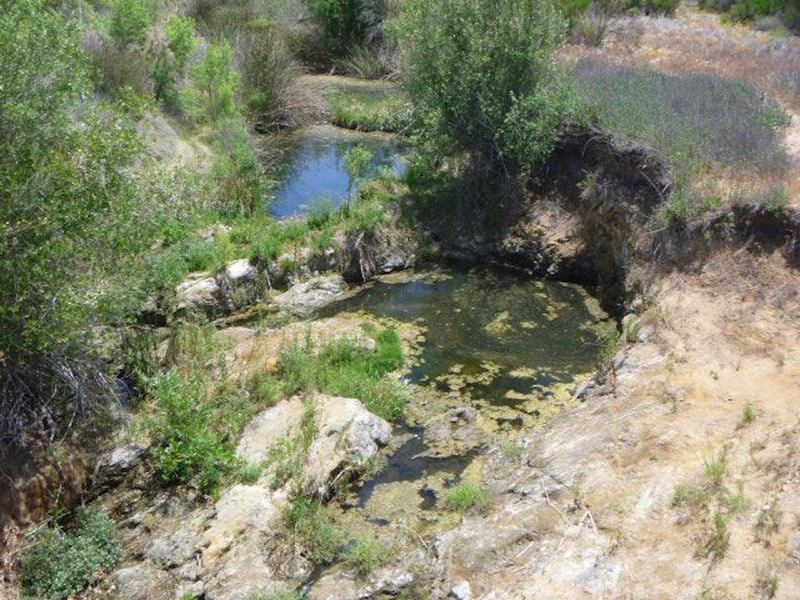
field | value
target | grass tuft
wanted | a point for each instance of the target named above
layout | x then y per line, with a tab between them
468	497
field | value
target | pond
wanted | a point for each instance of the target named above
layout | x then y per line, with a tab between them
510	347
497	337
311	165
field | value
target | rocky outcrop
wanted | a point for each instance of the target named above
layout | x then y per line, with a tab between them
304	298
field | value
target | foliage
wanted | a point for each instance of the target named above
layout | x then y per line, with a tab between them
120	70
181	40
747	10
66	219
237	172
365	554
268	72
347	24
356	161
482	78
468	497
215	84
363	62
377	109
654	7
130	20
718	541
311	525
190	449
64	563
342	368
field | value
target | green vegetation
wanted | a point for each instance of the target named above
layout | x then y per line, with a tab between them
483	81
748	415
283	595
378	109
365	554
468	497
63	563
215	84
715	469
344	27
130	20
718	539
343	368
310	523
738	11
699	122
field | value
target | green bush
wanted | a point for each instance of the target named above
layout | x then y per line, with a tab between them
747	10
268	72
181	40
482	78
130	20
189	450
69	218
654	7
341	22
215	83
64	563
311	525
365	554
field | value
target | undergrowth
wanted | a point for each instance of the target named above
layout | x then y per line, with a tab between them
63	563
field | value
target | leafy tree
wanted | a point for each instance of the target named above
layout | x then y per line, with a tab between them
215	83
483	79
65	216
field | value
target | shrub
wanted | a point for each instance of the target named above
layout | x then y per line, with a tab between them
654	7
268	72
342	368
130	20
181	40
214	86
311	525
119	68
363	62
64	563
715	469
190	450
238	171
347	24
716	545
482	78
67	216
468	497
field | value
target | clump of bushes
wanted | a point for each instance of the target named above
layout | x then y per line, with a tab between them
63	563
788	11
483	80
344	369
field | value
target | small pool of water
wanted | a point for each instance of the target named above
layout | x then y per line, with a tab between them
497	337
311	166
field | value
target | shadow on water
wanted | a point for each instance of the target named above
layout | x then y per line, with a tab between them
311	166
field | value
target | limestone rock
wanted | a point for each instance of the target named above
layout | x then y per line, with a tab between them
349	435
304	298
266	429
240	271
198	293
243	508
142	582
115	465
461	591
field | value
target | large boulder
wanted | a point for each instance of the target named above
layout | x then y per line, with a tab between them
143	582
349	436
198	293
304	298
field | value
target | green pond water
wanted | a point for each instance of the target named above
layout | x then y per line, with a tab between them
495	337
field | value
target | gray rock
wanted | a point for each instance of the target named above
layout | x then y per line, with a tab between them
198	293
304	298
794	547
349	436
240	271
173	551
461	591
142	582
114	466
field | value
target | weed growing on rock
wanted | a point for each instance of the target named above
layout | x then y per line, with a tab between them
736	502
365	554
718	540
715	469
468	497
766	585
64	563
310	523
768	521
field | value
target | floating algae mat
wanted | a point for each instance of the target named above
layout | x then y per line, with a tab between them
495	337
